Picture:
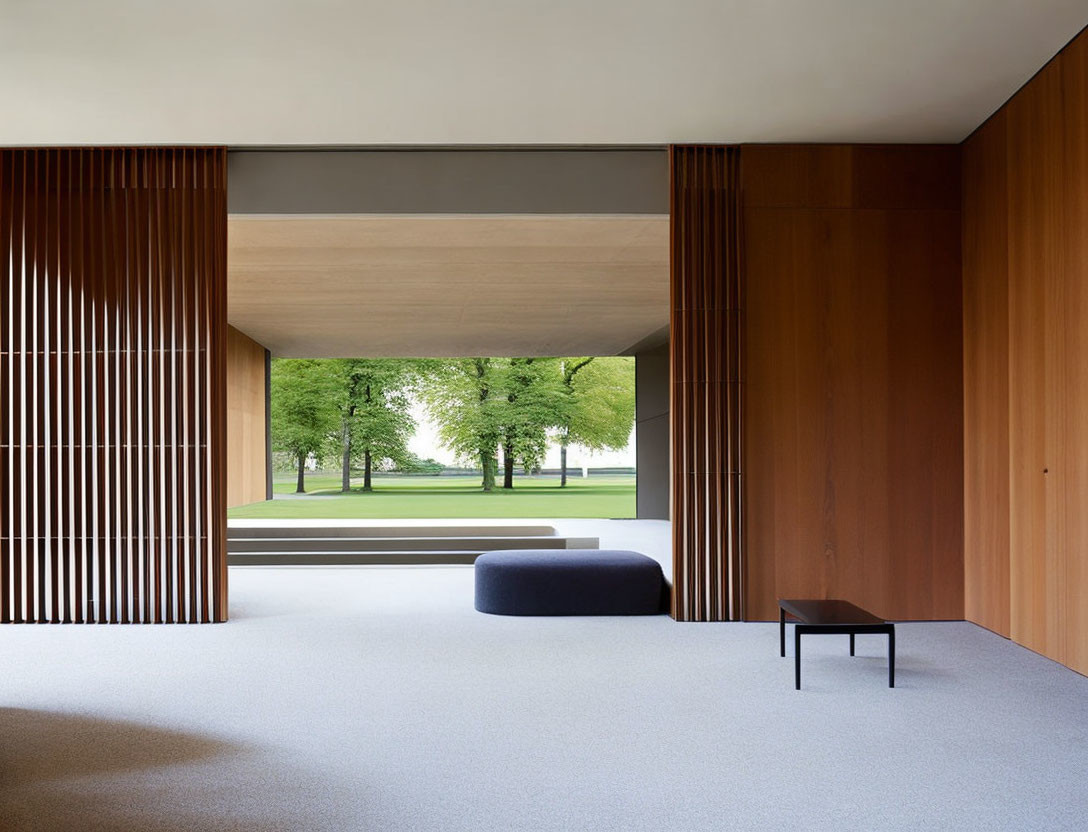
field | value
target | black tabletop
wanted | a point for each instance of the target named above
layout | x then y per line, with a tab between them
831	611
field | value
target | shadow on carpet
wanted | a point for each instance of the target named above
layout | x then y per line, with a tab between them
63	771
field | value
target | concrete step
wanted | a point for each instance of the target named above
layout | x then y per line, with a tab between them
406	558
475	530
378	558
390	544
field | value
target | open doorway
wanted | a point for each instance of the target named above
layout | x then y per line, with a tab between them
451	438
547	263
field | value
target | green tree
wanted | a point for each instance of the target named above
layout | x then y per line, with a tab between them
304	412
375	418
465	398
600	405
534	403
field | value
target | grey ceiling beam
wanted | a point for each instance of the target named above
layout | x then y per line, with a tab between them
449	181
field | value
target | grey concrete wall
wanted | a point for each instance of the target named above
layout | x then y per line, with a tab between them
449	181
652	432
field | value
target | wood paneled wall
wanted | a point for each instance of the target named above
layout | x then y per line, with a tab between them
853	431
247	440
1026	364
112	410
706	320
986	378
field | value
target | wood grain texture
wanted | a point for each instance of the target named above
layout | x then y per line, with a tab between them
706	325
329	286
1036	219
1073	63
902	177
853	405
113	267
247	447
986	378
1026	279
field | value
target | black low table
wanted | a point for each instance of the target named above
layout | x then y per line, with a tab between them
834	617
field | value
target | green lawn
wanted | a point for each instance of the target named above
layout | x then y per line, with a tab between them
438	497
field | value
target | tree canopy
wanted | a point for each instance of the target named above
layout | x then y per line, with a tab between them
465	398
600	406
375	413
481	406
533	404
601	410
304	412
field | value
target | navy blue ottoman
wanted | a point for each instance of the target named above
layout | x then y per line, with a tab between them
568	582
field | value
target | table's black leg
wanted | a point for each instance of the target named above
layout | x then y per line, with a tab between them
781	632
797	657
891	656
851	644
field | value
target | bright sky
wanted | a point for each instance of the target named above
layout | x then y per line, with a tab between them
425	444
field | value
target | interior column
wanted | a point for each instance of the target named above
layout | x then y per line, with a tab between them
705	322
112	399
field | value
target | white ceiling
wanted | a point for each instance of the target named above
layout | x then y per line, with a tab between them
516	71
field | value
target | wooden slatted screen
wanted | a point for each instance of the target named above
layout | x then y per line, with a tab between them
112	385
706	321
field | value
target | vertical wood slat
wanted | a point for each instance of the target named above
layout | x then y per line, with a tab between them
39	228
215	352
112	412
706	318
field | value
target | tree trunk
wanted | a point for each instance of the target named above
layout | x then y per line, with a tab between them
300	488
367	485
563	465
507	466
345	477
487	463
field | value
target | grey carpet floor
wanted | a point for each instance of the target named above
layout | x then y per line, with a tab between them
376	699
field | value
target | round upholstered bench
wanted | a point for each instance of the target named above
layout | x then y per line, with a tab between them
568	582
